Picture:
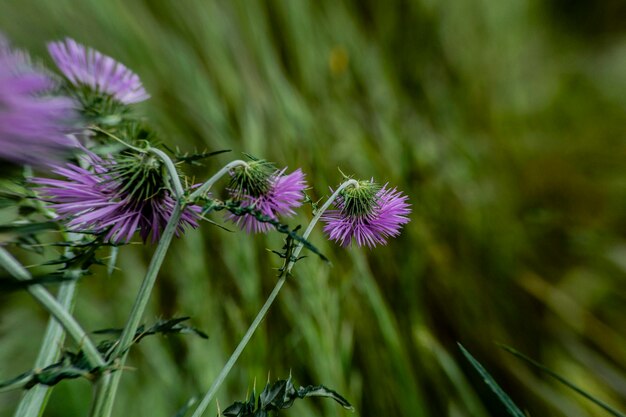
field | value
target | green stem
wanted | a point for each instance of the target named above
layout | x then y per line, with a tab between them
112	136
34	400
219	174
210	394
101	389
171	169
55	308
106	396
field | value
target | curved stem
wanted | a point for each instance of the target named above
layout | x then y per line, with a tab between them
171	169
210	394
66	320
112	136
318	215
219	174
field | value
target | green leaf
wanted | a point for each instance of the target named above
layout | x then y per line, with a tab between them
164	327
563	381
322	391
71	366
75	365
237	209
28	228
11	284
279	396
491	383
193	158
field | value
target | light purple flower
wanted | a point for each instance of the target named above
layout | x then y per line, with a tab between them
387	212
86	66
285	192
33	123
93	201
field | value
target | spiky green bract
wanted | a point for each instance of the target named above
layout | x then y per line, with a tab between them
101	109
360	200
284	193
251	180
141	175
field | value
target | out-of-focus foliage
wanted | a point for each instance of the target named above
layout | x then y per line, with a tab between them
504	121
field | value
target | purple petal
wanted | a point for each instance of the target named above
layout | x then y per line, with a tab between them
86	66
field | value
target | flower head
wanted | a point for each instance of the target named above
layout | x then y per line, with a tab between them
87	67
105	200
33	123
269	191
367	213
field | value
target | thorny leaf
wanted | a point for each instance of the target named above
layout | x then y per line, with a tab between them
164	327
28	228
75	365
11	284
75	264
70	366
279	396
292	235
193	158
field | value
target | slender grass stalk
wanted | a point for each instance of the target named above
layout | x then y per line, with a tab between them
210	394
55	308
34	400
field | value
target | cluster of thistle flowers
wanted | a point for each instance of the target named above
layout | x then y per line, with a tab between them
46	118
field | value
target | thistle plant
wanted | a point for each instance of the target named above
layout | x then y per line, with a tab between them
258	185
367	213
85	67
120	182
34	121
115	198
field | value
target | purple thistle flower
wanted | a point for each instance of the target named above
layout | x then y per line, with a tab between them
33	124
86	66
370	221
283	194
95	202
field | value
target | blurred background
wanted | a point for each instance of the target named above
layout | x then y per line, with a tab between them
505	123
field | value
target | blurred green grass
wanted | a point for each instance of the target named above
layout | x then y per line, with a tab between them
503	121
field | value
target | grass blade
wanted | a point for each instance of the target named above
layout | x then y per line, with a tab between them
491	383
563	381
